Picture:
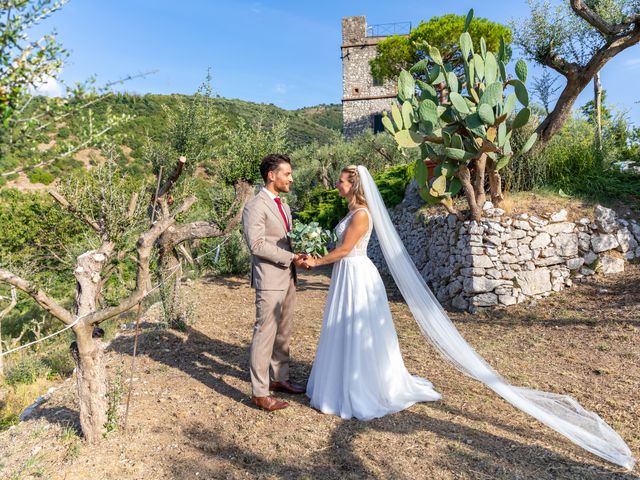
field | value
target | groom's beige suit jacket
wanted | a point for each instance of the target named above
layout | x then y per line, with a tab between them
273	275
266	236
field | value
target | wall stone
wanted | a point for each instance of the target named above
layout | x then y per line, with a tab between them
361	97
505	260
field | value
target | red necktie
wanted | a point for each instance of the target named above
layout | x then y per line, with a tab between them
284	217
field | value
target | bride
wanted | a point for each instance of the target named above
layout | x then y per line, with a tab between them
359	372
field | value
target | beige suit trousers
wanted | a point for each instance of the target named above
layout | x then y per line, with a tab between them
269	354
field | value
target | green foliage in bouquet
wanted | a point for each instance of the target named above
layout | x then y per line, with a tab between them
310	238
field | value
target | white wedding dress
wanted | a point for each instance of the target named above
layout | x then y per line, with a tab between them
358	370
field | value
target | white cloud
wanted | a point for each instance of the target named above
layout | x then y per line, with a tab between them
632	63
280	88
49	87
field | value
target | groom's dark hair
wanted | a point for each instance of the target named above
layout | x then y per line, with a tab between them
271	162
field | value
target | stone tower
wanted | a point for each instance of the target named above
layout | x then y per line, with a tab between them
363	99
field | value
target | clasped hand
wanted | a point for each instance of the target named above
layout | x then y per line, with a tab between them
303	260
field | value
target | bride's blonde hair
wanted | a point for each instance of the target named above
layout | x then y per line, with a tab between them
357	192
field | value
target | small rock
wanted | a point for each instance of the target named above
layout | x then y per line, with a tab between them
507	300
626	241
481	261
460	303
590	257
485	300
560	216
522	225
494	212
555	228
605	219
575	263
566	244
542	240
534	282
603	242
609	264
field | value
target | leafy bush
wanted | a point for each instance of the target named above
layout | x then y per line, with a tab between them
571	163
393	182
37	175
59	362
233	258
327	208
64	132
26	370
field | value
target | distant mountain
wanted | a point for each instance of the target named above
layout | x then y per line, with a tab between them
318	124
310	124
329	116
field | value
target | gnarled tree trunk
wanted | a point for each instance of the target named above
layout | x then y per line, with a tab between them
91	381
88	351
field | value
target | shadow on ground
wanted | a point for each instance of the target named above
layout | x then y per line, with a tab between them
470	453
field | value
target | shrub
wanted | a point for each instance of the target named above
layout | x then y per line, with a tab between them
26	370
37	175
233	258
59	362
327	208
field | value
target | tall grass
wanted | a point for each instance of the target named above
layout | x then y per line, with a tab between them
572	164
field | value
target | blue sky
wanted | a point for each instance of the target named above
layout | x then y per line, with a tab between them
281	52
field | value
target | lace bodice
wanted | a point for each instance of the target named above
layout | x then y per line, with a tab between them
361	247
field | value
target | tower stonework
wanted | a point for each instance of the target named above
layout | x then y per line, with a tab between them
363	99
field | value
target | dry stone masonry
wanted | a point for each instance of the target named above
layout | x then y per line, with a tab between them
505	260
362	97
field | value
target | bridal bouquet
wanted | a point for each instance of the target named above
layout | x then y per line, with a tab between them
310	238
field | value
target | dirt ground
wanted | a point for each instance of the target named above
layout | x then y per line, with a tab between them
191	417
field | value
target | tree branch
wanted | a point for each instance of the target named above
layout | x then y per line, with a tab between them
38	295
144	247
204	229
610	50
577	80
174	177
14	302
71	208
596	21
133	203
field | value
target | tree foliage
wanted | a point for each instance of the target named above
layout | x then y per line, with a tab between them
398	52
25	63
576	39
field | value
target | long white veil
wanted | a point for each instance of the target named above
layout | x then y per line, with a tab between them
560	412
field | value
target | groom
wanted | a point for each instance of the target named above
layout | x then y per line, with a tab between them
266	222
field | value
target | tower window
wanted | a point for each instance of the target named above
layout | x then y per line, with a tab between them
377	123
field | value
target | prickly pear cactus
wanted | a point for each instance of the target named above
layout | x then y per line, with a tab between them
462	119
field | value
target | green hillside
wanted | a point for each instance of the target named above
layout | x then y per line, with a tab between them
320	124
305	125
329	116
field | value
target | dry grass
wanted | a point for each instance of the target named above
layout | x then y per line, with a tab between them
191	416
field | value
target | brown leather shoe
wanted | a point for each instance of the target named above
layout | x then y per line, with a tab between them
287	387
269	403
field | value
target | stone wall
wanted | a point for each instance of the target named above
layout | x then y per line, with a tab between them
505	260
